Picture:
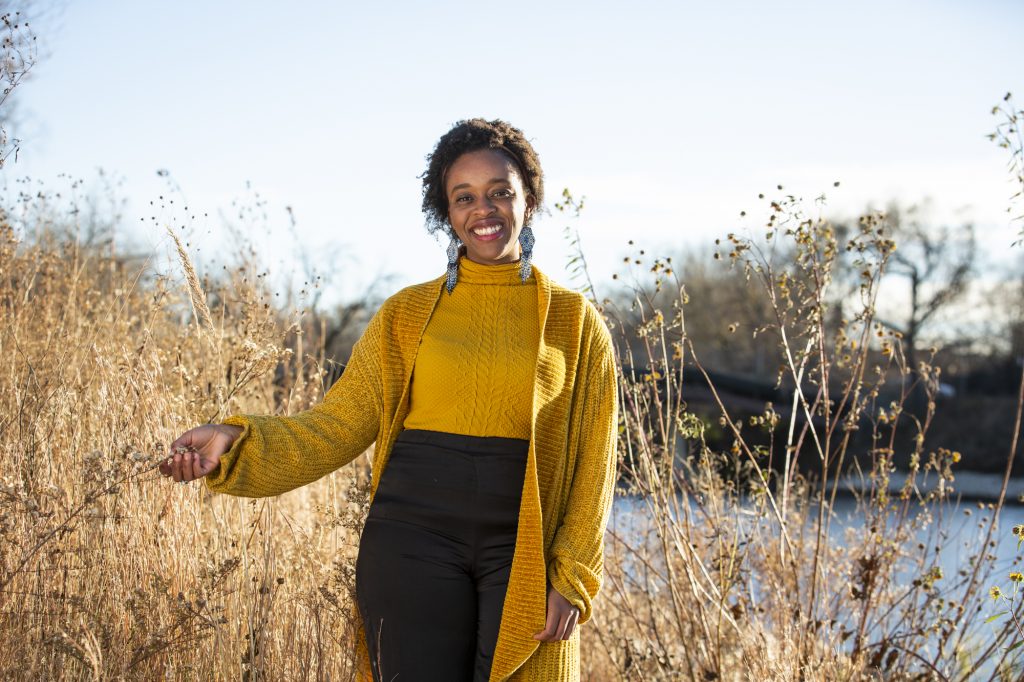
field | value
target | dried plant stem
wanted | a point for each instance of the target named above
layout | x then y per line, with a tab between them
974	582
196	295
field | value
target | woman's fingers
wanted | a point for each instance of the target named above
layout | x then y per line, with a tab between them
548	633
197	466
570	626
182	465
561	621
171	466
559	626
197	452
567	624
189	461
183	442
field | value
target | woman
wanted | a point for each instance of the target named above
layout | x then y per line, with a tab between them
490	395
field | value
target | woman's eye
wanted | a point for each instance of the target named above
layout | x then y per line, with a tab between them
463	199
504	193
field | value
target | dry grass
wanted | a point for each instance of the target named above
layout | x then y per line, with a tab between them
722	564
731	564
107	570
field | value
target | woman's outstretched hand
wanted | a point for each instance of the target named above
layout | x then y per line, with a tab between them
197	452
562	618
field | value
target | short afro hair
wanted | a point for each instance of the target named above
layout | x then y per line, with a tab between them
470	136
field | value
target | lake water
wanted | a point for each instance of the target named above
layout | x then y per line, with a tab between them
960	518
958	527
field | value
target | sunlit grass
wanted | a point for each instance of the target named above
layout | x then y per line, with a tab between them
722	560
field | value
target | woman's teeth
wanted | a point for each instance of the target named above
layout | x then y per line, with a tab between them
484	231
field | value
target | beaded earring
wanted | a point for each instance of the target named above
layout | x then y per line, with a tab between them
453	263
526	242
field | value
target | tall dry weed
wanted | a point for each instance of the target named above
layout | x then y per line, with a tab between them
723	563
731	562
107	570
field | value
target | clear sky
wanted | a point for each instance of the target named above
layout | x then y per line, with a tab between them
669	117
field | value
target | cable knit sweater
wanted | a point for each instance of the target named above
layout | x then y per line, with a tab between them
570	470
474	369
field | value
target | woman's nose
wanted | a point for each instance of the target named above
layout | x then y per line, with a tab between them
486	206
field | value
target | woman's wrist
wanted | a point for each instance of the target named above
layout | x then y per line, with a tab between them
231	431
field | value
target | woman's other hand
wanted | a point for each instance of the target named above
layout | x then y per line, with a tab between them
562	618
197	452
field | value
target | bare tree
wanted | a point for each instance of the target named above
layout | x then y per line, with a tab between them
1009	136
18	54
937	263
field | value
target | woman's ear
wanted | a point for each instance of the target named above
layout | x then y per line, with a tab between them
531	208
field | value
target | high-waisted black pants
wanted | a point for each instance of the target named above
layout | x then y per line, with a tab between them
436	553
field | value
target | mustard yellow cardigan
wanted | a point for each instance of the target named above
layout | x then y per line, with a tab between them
570	469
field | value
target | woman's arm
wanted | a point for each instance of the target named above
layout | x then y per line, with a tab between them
275	454
576	558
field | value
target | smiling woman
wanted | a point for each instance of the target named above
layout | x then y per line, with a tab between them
482	186
493	409
488	205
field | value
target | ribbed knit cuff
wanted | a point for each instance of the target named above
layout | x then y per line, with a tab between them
563	585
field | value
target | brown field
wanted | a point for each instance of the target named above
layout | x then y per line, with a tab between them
109	571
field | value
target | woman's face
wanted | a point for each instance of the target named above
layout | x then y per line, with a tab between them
487	205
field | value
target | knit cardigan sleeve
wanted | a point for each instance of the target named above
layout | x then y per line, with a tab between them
275	454
576	557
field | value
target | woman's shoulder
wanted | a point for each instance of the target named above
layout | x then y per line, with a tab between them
559	291
413	296
578	305
402	315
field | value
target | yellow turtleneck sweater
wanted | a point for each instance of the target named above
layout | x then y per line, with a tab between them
474	369
570	466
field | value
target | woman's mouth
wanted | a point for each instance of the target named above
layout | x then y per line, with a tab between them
486	232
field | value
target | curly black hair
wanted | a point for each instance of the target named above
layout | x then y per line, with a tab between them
470	136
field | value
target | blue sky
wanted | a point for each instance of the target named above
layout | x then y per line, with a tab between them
669	117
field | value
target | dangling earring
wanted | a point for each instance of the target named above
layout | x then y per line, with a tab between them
526	242
453	263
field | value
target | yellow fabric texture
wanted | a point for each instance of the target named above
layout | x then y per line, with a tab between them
570	469
474	370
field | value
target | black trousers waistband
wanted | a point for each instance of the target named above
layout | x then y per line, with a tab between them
483	445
